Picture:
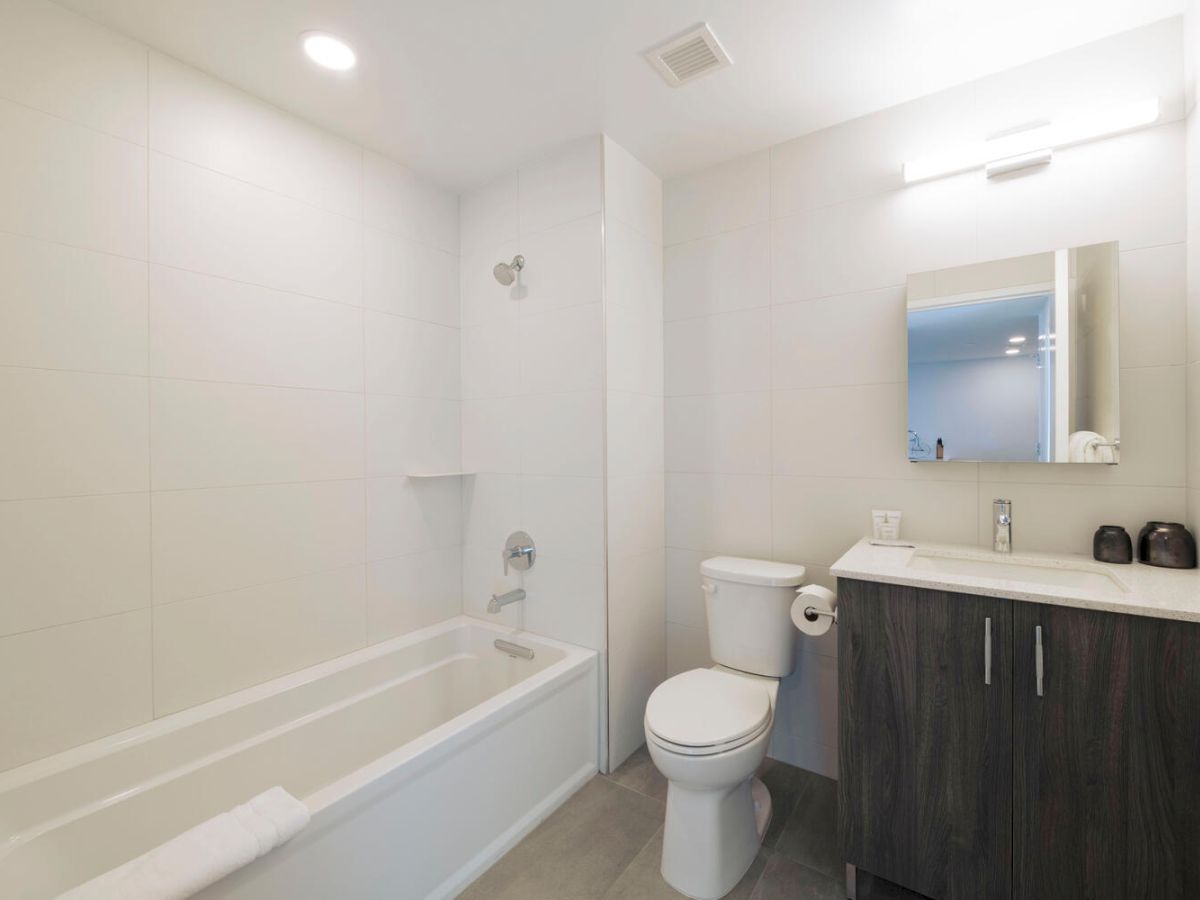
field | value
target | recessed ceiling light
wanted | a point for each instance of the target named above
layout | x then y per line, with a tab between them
1012	351
328	51
1017	339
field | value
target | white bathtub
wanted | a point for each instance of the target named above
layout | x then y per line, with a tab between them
422	759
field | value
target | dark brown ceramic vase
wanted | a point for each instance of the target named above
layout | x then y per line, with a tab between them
1167	544
1112	544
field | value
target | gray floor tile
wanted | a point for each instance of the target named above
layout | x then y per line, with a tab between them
640	774
786	879
809	836
577	853
643	879
783	782
872	888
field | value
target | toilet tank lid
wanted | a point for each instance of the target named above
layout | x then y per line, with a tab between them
753	571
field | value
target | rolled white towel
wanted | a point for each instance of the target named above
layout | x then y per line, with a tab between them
1083	447
203	855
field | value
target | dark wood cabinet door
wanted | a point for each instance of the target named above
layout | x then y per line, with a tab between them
925	743
1107	758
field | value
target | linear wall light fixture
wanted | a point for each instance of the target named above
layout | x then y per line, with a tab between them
1033	146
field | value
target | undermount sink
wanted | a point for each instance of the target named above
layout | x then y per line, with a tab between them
1057	575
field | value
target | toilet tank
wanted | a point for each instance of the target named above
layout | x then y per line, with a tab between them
749	603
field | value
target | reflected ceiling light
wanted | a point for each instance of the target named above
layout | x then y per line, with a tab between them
1017	339
328	51
1033	145
1012	351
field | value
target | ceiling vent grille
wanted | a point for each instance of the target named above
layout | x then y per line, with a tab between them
687	57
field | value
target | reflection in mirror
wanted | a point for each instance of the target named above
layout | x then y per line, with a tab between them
1016	360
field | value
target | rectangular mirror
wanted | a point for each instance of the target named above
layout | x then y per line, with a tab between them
1016	360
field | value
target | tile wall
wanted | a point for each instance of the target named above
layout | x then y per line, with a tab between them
226	337
786	349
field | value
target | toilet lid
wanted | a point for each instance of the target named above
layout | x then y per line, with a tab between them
702	708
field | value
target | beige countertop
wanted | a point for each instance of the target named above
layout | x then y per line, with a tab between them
1136	589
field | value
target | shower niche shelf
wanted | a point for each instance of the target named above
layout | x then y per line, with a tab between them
437	474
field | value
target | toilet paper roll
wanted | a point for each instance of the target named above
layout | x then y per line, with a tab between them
813	609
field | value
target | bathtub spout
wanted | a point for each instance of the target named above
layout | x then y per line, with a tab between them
499	602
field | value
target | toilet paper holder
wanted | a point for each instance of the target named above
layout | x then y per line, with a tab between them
812	613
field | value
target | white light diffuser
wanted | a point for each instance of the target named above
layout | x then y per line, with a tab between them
1032	141
328	51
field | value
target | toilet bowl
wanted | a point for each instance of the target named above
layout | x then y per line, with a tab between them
707	730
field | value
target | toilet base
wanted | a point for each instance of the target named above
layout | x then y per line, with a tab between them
711	838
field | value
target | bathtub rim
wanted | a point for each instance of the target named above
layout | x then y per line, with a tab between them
573	655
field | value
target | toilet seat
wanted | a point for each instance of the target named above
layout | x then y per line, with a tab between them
705	711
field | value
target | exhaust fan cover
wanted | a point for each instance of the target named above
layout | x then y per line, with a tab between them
692	54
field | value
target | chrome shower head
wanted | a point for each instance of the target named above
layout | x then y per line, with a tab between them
506	273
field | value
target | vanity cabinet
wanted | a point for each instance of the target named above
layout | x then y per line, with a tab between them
1106	765
925	742
964	781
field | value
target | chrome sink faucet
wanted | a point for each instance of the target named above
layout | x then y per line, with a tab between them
1002	526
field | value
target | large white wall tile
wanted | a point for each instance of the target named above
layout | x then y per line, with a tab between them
564	514
1153	306
411	358
491	359
857	431
850	339
636	515
408	278
213	329
818	519
66	308
492	509
196	118
492	434
412	592
66	65
729	515
687	648
563	267
562	187
399	201
412	515
633	269
66	183
73	684
70	433
208	435
637	658
635	434
726	433
413	436
212	646
565	600
718	354
485	300
560	350
561	434
685	600
72	559
728	271
214	540
206	222
725	197
632	193
635	351
488	215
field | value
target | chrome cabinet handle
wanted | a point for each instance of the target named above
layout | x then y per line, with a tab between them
987	650
1039	664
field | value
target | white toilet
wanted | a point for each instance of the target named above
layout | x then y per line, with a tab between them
707	730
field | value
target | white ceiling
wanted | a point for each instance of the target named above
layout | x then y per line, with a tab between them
462	90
